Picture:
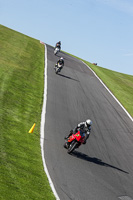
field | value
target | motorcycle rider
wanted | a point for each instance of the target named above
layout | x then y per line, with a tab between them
60	62
84	128
58	45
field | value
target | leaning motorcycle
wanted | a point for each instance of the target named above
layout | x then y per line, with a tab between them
58	68
74	141
56	50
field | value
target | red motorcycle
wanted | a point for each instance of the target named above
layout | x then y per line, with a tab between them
74	141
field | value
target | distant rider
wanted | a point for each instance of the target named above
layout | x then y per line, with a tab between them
84	128
58	45
60	62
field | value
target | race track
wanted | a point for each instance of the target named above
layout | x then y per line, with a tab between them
103	168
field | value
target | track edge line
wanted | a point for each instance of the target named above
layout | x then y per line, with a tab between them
110	92
42	134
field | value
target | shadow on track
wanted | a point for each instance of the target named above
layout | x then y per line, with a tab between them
94	160
58	56
68	77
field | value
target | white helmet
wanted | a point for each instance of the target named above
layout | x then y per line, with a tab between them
88	122
61	58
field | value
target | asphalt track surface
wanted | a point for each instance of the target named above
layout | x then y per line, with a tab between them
103	168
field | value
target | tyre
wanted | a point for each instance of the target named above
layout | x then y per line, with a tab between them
72	146
66	145
56	70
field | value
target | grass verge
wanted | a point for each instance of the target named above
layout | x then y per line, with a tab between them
121	85
21	96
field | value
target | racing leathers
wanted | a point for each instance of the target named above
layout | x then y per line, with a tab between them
83	128
58	45
60	62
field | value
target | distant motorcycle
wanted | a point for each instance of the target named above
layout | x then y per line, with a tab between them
56	50
58	68
74	141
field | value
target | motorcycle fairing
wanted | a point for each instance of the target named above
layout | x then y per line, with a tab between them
76	136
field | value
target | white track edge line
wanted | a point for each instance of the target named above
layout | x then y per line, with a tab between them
42	135
110	92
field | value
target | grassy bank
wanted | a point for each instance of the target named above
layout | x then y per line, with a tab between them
121	85
21	94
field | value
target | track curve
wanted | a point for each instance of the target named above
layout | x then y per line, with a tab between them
103	168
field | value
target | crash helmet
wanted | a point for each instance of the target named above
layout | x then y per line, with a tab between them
88	122
61	58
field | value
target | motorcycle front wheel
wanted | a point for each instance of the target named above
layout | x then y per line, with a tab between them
72	146
66	145
56	70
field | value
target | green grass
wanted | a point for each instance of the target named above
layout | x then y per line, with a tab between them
121	85
21	95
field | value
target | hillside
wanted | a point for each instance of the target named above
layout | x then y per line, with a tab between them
121	85
21	90
21	94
